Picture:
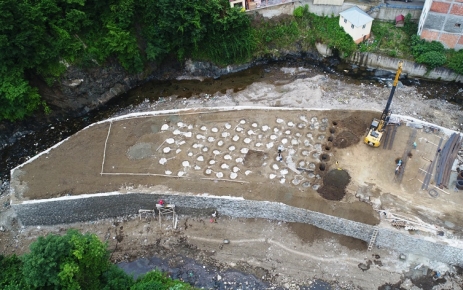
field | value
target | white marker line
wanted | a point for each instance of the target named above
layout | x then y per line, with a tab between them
105	144
161	145
218	179
143	174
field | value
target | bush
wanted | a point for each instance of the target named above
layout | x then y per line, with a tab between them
157	280
455	62
116	279
331	33
301	11
410	27
393	53
420	46
432	59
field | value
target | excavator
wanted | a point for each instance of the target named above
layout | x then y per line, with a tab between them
375	133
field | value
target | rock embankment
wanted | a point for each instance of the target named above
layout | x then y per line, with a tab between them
104	206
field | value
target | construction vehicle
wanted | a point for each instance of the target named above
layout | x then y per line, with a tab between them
377	126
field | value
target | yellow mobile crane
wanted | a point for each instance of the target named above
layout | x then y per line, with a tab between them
376	130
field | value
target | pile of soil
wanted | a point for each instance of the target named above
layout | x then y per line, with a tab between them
345	139
334	184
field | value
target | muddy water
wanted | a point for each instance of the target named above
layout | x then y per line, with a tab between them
197	275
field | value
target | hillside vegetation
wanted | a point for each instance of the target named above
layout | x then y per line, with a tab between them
42	37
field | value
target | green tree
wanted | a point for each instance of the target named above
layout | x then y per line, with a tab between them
10	273
72	261
17	98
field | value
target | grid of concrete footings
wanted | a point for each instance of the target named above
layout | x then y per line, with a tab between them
309	159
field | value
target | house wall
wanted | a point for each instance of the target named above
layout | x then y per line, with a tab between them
424	14
381	12
444	23
357	33
410	68
389	13
328	2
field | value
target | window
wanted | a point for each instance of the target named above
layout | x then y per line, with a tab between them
457	24
364	25
345	20
352	26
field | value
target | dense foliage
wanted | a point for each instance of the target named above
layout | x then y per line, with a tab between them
11	274
207	29
42	37
74	261
430	53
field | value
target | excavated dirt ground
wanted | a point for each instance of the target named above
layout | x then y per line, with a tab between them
189	152
318	146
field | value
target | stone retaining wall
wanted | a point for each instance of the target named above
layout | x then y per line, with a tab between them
372	60
64	210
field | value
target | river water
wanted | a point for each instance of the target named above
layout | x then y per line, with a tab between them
20	141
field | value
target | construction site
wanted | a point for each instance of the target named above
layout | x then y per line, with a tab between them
258	189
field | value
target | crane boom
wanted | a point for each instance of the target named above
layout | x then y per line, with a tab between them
375	133
385	114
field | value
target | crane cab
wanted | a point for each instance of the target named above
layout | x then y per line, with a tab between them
374	124
373	138
375	133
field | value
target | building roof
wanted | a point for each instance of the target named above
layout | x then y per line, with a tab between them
356	16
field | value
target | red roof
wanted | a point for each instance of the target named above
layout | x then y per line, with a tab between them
399	18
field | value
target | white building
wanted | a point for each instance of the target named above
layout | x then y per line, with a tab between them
356	23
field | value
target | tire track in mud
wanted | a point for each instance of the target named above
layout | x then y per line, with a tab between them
352	261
